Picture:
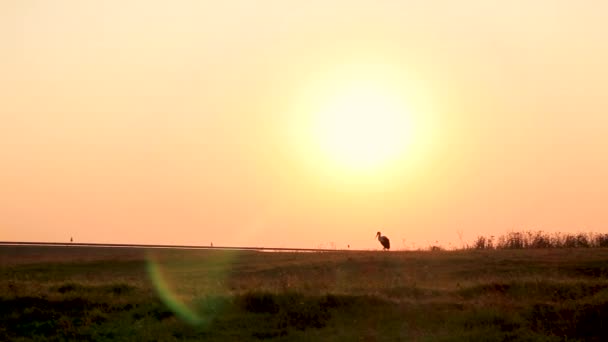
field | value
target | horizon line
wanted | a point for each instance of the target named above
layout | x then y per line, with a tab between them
164	246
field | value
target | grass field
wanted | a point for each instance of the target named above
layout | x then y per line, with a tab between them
85	293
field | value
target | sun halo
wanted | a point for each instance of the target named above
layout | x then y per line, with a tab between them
362	127
360	124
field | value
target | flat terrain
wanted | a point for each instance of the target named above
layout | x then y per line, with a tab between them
87	293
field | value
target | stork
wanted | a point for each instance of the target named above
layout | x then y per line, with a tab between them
384	241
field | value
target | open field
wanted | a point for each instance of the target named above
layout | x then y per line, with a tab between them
88	293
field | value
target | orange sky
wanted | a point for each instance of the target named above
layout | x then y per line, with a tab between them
186	122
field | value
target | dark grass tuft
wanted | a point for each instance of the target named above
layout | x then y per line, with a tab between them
595	269
115	289
290	310
539	290
258	302
119	289
414	292
572	320
31	316
73	318
160	313
285	312
69	287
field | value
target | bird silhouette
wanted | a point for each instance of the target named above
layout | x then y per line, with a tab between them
386	243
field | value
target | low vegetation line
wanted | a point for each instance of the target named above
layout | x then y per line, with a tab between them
541	239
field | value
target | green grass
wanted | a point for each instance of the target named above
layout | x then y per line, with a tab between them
79	293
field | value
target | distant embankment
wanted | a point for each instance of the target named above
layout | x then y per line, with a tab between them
123	245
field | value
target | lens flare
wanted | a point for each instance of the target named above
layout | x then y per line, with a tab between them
200	276
169	298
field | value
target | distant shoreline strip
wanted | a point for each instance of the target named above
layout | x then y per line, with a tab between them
124	245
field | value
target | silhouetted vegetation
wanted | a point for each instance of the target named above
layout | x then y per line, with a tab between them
540	239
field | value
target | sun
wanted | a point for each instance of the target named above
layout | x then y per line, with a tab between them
360	123
362	126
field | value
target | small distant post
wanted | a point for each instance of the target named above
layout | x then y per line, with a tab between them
71	239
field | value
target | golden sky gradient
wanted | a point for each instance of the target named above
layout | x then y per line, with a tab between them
239	122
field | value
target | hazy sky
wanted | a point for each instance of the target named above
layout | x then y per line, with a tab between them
189	122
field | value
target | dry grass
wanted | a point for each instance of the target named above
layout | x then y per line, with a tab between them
108	293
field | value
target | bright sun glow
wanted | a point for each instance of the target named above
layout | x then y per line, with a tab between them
363	126
361	123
